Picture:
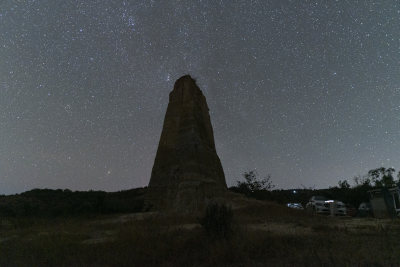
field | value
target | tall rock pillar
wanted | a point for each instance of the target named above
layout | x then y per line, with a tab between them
187	170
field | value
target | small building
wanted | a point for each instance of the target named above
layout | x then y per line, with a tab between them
385	202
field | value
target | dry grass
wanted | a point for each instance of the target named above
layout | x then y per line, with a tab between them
263	235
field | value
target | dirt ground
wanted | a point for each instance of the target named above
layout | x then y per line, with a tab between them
263	235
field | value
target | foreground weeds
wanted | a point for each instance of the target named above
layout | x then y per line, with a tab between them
161	240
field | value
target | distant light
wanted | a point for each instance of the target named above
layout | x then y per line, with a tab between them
294	191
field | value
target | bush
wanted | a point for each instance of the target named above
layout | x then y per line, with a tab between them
254	184
217	221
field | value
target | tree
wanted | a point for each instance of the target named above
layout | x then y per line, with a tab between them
387	178
252	183
382	177
362	181
344	184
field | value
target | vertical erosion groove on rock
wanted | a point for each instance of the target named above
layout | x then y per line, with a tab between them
187	171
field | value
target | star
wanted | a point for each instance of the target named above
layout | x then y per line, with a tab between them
306	92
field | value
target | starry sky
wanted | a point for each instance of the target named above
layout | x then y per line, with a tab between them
307	91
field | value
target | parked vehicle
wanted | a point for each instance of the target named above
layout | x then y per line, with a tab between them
295	206
339	207
351	210
322	205
364	209
317	204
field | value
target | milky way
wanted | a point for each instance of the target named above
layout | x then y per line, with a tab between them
307	91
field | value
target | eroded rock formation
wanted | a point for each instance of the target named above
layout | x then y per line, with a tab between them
187	171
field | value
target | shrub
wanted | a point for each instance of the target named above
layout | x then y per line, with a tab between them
253	183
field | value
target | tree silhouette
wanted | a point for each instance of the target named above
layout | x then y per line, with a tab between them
382	177
252	183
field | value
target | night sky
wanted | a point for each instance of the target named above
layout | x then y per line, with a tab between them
307	91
